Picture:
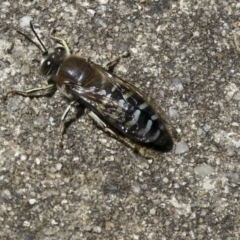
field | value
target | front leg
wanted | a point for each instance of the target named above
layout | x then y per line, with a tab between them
63	42
34	92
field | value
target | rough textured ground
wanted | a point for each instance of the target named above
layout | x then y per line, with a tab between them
185	54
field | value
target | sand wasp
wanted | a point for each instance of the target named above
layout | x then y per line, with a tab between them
115	105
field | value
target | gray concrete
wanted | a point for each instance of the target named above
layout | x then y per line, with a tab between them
185	54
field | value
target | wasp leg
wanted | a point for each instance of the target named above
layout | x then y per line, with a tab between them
126	141
64	124
63	42
111	65
34	92
65	113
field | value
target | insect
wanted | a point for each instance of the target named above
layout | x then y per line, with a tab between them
115	105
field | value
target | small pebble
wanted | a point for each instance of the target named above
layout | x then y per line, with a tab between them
181	147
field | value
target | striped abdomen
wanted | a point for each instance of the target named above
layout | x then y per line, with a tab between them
135	118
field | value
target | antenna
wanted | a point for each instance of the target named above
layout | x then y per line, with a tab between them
29	39
37	37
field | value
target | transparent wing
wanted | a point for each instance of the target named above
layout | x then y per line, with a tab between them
161	113
121	105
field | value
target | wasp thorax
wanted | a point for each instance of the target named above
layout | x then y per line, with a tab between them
52	61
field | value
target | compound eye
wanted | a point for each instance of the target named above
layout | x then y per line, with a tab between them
60	51
46	67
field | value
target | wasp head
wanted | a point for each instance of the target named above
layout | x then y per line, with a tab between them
51	61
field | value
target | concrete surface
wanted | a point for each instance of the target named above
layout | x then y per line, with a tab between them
185	54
